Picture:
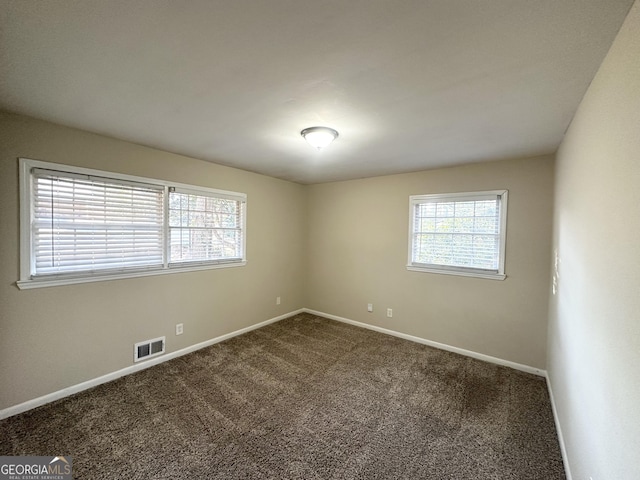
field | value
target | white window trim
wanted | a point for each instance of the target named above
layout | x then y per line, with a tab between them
26	257
462	271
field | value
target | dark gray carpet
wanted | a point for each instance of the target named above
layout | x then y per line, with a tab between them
305	398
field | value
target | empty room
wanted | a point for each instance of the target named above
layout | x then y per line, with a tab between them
392	239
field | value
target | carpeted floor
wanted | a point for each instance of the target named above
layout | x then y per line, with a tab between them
304	398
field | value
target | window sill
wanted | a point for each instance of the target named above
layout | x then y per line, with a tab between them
462	273
55	282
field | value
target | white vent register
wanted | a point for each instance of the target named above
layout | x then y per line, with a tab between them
148	349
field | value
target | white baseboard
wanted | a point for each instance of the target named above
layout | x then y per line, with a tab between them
556	419
431	343
65	392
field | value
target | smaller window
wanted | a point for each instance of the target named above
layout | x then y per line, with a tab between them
459	233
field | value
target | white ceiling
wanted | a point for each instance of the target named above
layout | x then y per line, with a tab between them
409	84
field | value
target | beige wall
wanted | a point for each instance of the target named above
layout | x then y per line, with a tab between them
358	240
51	338
594	333
333	247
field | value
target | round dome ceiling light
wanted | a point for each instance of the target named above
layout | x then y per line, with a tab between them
319	137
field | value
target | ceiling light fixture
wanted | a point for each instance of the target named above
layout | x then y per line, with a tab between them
319	137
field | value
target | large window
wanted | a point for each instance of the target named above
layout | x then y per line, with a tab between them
83	225
460	234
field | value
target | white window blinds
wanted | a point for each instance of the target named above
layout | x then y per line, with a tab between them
204	228
458	232
82	223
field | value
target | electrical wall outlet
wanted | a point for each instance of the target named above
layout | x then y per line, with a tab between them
369	307
277	300
389	312
179	328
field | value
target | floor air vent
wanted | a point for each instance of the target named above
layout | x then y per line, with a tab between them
148	349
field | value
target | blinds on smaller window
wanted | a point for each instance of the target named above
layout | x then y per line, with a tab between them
82	223
458	232
205	228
